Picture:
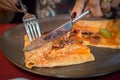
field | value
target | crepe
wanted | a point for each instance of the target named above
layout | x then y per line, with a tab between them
71	48
64	51
101	33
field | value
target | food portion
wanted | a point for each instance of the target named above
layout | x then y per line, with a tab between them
71	48
66	50
101	33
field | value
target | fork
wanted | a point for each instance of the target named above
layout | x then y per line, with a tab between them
31	24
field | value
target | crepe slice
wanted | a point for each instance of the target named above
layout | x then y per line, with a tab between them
65	50
99	33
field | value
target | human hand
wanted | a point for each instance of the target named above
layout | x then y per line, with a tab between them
9	5
97	7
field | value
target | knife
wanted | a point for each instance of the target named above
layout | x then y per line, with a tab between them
55	33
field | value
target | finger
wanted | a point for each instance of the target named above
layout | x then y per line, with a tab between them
115	3
105	6
8	5
5	5
13	4
87	8
79	5
95	8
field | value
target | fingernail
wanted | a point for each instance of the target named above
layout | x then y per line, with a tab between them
18	5
73	15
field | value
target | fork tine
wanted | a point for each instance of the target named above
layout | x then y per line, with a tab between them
28	31
34	29
37	27
30	24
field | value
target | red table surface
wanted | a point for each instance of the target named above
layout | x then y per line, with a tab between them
10	71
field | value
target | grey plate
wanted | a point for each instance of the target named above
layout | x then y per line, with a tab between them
11	42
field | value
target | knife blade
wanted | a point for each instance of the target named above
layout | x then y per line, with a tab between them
55	33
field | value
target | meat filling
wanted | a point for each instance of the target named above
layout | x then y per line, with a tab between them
92	37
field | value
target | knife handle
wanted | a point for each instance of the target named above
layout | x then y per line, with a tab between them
81	16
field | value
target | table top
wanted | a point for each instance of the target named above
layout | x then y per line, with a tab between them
10	71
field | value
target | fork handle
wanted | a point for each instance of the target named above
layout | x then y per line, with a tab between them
23	7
